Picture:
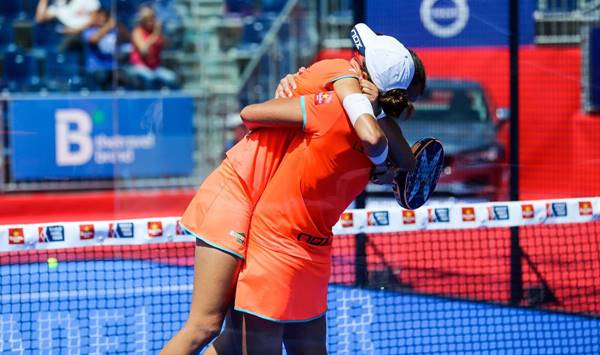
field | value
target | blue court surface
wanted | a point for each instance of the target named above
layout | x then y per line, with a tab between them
131	306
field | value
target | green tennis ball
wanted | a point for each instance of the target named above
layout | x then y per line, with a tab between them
52	263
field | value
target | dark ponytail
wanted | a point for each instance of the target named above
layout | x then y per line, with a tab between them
395	101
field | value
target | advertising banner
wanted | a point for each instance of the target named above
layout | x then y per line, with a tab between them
441	23
98	137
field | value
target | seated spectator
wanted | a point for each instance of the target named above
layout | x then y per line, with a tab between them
74	15
147	43
100	48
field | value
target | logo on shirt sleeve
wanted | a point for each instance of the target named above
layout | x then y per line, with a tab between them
323	98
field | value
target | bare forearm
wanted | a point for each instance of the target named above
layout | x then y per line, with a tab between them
96	37
371	135
400	151
41	12
273	113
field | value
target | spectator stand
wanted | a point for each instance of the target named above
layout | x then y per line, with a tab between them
227	52
336	19
560	21
33	49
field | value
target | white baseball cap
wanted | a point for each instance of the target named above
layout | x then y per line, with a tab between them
389	63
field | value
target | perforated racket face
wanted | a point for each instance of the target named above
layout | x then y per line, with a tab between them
413	189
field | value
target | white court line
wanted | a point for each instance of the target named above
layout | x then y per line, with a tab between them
46	296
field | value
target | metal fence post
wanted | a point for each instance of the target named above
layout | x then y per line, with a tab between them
516	275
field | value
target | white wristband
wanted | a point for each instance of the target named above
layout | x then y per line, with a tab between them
357	105
380	159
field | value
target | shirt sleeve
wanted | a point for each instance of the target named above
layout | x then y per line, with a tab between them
87	34
320	111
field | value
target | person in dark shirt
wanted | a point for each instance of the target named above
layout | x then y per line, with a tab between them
101	40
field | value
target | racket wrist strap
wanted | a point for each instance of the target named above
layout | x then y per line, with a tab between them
380	158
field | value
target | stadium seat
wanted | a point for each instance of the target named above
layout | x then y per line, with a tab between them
255	28
46	36
29	7
20	71
272	5
126	11
240	6
6	35
10	8
62	71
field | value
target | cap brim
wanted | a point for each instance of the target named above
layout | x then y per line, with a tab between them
361	35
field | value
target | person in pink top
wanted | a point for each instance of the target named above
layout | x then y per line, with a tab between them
148	43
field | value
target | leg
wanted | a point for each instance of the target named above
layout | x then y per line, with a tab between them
166	77
144	74
260	336
306	338
215	273
229	342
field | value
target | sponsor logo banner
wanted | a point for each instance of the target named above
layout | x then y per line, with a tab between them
438	215
527	211
95	137
347	220
437	23
16	236
155	229
468	214
51	234
121	230
378	218
498	213
585	208
86	231
408	217
556	209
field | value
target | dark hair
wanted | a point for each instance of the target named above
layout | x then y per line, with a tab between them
395	101
103	11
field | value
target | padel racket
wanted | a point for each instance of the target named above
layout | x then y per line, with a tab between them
412	189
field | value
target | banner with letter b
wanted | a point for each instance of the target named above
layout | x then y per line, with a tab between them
100	137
